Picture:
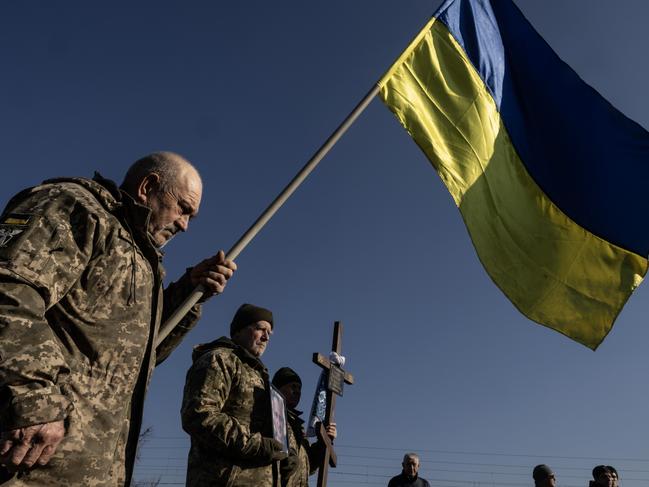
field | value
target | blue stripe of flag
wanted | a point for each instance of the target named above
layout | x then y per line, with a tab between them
590	159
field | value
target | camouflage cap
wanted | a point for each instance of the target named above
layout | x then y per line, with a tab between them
247	314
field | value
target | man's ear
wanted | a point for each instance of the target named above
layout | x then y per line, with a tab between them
147	187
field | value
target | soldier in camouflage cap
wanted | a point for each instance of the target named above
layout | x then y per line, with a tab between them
226	408
81	301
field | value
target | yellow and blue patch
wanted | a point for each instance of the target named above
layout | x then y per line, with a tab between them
11	226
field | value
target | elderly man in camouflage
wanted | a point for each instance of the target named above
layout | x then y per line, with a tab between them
226	408
81	300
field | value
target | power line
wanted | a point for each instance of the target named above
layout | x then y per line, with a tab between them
447	452
477	453
173	466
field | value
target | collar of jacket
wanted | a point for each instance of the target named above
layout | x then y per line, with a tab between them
409	479
294	414
137	217
136	214
119	203
103	189
294	418
225	342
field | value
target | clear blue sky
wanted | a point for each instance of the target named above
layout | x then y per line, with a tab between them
248	90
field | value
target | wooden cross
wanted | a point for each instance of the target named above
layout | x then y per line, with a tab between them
336	376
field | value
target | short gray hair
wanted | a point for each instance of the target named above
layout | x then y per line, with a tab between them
167	165
410	455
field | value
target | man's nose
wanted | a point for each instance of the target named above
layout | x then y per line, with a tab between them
183	223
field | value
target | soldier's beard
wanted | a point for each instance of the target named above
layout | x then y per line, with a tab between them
259	350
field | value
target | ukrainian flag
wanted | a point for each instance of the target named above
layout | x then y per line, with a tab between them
551	180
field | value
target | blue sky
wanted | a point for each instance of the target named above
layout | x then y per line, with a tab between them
248	91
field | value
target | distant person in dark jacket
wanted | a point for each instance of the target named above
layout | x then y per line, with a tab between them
408	476
543	476
602	477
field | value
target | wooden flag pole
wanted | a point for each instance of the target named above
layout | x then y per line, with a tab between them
232	254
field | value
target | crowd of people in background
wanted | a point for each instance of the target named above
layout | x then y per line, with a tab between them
603	475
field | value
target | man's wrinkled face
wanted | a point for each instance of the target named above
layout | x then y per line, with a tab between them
254	337
292	392
411	466
172	209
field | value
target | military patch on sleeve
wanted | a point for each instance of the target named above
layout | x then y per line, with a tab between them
11	226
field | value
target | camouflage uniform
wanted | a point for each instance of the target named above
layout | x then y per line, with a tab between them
226	411
309	455
81	301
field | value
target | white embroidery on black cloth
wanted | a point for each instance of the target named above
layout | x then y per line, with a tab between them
7	233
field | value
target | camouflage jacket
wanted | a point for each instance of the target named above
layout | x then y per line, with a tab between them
309	455
226	411
80	304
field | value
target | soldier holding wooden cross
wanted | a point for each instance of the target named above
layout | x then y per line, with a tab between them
309	456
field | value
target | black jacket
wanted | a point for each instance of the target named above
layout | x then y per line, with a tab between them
402	480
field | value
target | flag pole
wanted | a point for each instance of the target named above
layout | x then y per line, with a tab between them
232	254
